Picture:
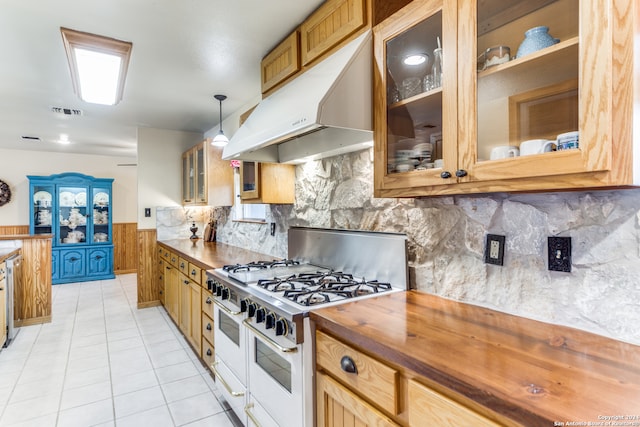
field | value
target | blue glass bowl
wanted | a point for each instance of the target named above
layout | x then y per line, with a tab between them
535	39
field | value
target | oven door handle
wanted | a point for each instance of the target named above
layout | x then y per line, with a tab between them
224	383
223	307
268	340
247	410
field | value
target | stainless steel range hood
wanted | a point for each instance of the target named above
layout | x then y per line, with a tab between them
324	112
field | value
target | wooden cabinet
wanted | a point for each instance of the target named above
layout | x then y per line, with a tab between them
267	183
356	388
333	23
282	62
3	303
190	311
208	330
206	178
435	139
172	289
77	209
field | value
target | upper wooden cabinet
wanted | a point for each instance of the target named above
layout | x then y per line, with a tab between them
267	183
488	100
281	62
206	178
333	23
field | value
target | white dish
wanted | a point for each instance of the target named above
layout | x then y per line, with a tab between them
101	199
42	198
67	198
81	199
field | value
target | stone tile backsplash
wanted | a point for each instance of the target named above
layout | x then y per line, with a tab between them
446	242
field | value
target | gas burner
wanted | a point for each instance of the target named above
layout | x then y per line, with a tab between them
285	284
309	297
259	265
365	287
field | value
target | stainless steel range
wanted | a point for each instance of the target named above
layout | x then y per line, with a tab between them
263	342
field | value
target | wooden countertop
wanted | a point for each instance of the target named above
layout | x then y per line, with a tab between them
532	372
210	255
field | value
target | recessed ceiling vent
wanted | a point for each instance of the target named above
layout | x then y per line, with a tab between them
30	138
67	111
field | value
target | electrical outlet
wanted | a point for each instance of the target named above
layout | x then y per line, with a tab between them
273	229
147	212
494	249
559	255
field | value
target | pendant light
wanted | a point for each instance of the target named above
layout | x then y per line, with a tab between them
220	139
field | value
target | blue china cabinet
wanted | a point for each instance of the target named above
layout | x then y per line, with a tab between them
77	210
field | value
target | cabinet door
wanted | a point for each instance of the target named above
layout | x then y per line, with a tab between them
3	305
200	185
41	209
188	177
195	315
184	296
249	180
55	265
558	78
100	261
172	298
415	109
72	263
101	221
72	215
339	407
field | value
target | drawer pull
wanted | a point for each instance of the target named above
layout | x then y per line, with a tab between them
254	420
461	173
348	365
209	352
224	383
208	326
445	175
208	301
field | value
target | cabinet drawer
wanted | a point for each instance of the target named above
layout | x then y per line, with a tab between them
208	354
207	327
183	266
428	407
195	273
378	381
207	304
174	259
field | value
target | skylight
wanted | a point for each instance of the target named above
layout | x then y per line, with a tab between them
98	66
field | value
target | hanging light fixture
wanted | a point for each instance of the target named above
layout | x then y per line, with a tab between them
220	139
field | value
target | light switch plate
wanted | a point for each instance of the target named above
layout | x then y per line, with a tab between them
559	255
494	249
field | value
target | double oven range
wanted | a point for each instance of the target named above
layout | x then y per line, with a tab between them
263	335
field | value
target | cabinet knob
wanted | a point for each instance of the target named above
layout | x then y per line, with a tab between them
208	326
99	257
460	173
186	282
208	352
445	175
348	365
208	301
73	259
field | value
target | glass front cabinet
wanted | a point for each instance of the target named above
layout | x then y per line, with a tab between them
503	95
77	210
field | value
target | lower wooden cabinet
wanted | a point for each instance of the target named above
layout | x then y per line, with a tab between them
339	407
172	301
358	389
3	304
190	312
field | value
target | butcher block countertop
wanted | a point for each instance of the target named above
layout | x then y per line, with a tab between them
212	254
534	373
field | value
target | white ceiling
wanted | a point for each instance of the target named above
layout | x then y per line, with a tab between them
184	52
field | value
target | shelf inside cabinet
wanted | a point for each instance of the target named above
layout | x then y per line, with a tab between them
560	55
424	108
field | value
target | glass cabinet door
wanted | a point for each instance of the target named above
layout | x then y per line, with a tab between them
101	204
415	56
201	175
72	215
527	68
41	209
188	177
249	180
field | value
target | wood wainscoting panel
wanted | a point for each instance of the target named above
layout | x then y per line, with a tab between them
148	278
33	294
13	230
125	247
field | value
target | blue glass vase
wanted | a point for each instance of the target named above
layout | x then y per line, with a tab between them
535	39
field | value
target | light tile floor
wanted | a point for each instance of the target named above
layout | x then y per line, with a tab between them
103	362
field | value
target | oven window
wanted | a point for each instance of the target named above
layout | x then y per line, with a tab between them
273	364
230	328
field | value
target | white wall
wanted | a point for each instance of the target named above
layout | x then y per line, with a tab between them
160	169
15	165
